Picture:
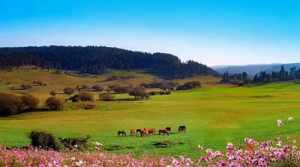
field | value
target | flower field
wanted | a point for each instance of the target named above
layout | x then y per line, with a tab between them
252	153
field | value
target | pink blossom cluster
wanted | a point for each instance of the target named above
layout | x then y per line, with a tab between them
252	154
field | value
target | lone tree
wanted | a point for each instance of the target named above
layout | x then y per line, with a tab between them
139	93
53	103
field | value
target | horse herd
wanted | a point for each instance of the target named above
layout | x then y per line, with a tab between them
151	131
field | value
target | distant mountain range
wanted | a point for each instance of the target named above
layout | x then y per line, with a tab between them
253	69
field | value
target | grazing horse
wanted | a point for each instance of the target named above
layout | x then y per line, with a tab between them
168	129
121	133
163	132
182	128
132	132
151	131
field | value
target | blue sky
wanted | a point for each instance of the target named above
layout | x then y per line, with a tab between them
213	32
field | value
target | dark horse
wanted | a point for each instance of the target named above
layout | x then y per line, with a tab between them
168	129
121	133
140	132
182	129
163	132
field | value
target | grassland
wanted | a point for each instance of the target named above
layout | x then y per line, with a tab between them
214	115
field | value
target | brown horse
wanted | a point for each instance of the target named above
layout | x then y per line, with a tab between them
163	132
151	131
132	132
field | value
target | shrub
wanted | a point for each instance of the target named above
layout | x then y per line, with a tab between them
97	88
84	96
75	143
10	104
43	140
189	85
106	97
139	93
82	87
54	103
38	83
68	91
29	102
89	106
164	85
52	93
120	89
25	87
74	98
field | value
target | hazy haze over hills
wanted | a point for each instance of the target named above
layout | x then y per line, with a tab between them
253	69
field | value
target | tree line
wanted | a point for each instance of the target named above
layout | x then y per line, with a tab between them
263	76
100	59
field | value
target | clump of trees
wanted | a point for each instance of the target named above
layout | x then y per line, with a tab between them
120	89
54	103
262	77
189	85
139	93
11	104
164	85
94	60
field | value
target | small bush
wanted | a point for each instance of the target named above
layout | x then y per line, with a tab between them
97	88
75	143
189	85
52	93
54	103
25	86
43	140
69	91
106	97
120	89
89	106
139	93
84	96
38	83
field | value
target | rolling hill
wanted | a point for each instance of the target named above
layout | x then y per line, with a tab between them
99	59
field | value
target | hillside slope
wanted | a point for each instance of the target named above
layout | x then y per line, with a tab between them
94	60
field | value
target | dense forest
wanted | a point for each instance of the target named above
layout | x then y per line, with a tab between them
96	59
262	77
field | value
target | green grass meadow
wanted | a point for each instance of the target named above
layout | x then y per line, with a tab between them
213	116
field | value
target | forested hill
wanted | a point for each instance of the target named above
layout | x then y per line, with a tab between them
100	59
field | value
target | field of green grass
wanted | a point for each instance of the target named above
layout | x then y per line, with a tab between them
213	116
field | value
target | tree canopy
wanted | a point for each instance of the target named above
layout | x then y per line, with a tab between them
99	59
